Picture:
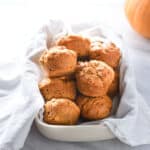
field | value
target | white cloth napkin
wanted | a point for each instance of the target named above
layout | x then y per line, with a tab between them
20	98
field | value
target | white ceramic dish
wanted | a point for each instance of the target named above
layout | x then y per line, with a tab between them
76	133
81	132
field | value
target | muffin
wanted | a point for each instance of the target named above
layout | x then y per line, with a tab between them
58	61
114	87
57	88
93	78
94	108
107	52
76	43
61	111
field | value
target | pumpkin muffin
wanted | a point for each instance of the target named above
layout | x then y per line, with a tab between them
61	112
77	43
114	87
58	61
57	88
93	78
107	52
94	108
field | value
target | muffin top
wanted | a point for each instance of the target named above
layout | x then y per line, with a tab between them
94	78
105	51
61	111
55	52
94	70
93	108
79	44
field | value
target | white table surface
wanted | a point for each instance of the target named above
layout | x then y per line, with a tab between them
20	18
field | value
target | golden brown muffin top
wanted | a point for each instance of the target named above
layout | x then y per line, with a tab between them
94	108
70	38
62	103
54	52
82	100
78	43
93	69
47	81
107	52
107	46
61	111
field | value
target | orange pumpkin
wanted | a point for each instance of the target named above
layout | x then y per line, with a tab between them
138	14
